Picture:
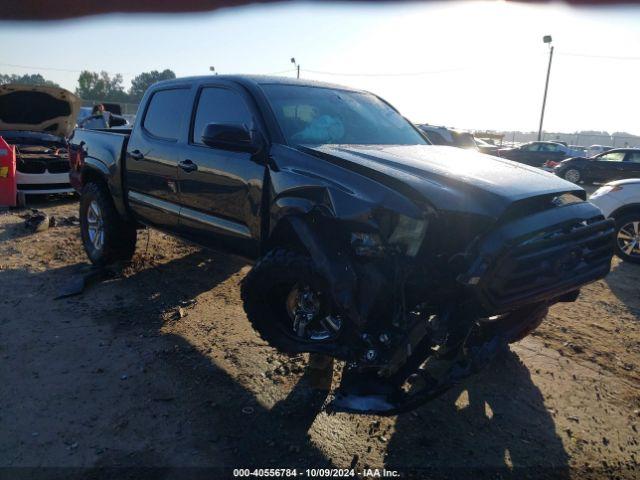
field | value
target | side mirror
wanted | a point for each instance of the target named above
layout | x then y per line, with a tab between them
231	136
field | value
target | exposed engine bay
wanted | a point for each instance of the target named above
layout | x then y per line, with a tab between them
41	159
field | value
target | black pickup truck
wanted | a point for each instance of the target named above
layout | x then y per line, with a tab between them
413	263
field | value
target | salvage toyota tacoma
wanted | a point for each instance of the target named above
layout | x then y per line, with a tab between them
412	263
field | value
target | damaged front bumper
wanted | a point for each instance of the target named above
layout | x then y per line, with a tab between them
518	270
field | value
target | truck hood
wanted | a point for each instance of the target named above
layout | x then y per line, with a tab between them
449	178
38	108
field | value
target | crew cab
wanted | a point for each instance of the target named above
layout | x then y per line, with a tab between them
370	244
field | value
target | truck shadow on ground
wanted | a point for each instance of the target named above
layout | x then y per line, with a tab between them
182	415
494	425
220	423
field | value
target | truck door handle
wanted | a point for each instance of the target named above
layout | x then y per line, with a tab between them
136	155
188	166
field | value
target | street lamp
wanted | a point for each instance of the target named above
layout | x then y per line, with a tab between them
545	39
293	60
213	69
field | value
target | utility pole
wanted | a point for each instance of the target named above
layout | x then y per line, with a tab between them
545	39
293	60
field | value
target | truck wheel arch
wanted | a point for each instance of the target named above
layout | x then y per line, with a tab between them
304	234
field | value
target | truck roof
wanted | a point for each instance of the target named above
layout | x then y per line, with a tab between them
256	80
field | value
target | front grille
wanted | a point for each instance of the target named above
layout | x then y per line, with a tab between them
550	262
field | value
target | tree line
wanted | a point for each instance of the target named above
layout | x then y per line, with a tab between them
100	85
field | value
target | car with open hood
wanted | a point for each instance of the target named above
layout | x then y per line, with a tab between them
37	120
413	263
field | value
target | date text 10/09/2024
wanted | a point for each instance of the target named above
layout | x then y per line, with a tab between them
315	473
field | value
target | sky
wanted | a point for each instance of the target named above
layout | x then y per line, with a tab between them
470	65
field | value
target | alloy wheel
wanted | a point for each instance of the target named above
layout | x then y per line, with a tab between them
95	225
572	175
628	239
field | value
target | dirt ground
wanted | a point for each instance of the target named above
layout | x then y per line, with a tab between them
159	368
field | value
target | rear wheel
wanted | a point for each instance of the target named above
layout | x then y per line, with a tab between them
289	304
105	236
628	237
573	175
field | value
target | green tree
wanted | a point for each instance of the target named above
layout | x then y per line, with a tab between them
143	81
101	86
26	79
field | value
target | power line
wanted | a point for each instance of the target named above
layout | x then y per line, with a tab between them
31	67
39	68
395	74
585	55
281	72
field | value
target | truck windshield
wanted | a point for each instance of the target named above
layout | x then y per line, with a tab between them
317	116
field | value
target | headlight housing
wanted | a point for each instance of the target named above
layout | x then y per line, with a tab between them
408	234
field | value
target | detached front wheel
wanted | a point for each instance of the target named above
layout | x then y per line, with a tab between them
106	238
289	304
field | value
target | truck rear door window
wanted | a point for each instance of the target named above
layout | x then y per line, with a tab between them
164	114
218	105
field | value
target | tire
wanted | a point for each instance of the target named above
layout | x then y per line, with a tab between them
572	175
628	232
265	292
21	200
106	238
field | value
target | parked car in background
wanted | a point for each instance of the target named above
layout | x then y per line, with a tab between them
486	147
370	245
448	136
620	200
536	153
594	150
615	164
37	120
578	151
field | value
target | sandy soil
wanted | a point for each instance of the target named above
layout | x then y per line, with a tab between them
159	367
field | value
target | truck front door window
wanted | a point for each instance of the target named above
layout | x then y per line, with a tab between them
218	105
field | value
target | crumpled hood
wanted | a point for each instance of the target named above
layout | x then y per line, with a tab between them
38	108
450	178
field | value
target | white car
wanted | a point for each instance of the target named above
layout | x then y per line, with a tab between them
620	200
594	150
37	120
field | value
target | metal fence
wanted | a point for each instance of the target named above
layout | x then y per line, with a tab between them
584	139
127	108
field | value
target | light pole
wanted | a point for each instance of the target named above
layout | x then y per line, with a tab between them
293	60
545	39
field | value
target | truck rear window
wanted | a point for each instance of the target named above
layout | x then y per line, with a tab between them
164	114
